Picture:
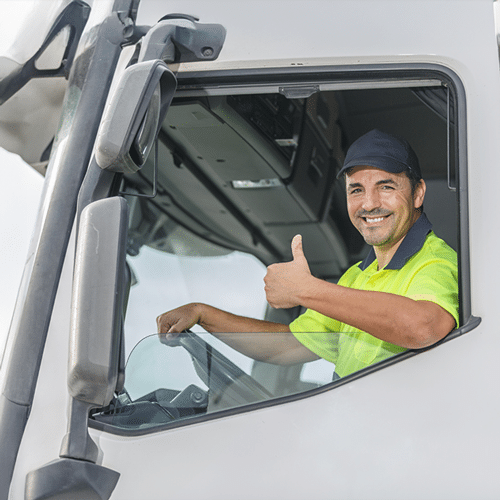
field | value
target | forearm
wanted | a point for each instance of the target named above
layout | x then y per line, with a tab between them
389	317
258	339
218	321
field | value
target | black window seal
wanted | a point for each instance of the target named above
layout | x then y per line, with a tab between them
376	74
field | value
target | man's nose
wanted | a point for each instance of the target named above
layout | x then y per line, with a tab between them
371	200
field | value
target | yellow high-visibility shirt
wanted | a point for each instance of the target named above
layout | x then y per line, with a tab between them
424	267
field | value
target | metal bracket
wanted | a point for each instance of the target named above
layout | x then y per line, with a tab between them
179	38
154	191
72	480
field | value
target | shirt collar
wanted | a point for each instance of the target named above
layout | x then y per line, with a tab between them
412	243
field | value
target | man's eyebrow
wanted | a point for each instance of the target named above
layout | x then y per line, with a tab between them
378	183
385	181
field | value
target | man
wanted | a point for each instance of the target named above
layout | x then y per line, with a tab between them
403	295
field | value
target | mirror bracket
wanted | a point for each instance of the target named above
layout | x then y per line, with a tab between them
135	113
70	479
77	443
182	39
154	189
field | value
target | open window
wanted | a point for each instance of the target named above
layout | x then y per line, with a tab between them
242	168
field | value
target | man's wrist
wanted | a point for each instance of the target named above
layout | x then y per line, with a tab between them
202	315
308	291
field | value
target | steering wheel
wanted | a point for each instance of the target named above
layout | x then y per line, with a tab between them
217	371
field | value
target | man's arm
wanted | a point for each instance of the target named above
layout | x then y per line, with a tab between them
258	339
389	317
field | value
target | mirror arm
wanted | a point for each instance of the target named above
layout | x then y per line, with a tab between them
154	189
182	40
77	443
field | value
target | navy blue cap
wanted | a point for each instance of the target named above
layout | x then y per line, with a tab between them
385	151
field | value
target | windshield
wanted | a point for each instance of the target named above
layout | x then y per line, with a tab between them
164	280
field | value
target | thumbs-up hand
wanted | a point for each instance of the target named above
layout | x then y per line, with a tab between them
284	282
298	251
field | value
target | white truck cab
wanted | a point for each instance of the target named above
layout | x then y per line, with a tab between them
184	144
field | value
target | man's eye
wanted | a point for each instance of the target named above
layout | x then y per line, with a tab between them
354	191
387	187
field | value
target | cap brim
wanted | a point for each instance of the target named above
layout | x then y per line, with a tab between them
384	163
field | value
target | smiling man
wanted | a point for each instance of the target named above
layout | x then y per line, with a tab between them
403	295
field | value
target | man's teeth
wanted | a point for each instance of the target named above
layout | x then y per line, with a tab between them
378	219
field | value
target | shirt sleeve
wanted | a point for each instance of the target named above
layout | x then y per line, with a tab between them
318	333
437	281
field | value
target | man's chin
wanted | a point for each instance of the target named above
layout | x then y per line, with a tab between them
374	240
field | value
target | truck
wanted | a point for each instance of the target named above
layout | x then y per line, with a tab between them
184	144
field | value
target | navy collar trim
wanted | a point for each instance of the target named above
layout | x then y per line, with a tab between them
412	243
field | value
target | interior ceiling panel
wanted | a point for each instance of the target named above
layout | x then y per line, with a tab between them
229	154
397	111
284	155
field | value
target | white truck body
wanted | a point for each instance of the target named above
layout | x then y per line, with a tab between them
422	426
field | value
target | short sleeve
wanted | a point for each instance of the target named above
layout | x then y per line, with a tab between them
318	333
437	281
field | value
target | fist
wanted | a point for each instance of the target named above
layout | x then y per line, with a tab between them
284	282
176	321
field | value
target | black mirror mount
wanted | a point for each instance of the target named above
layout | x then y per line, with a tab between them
179	38
134	114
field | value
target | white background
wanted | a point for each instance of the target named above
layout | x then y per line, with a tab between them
21	189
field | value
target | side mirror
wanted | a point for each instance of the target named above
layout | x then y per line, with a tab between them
133	116
94	359
98	294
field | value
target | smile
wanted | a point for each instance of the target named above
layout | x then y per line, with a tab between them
374	220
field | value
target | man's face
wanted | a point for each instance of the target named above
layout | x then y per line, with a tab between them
381	205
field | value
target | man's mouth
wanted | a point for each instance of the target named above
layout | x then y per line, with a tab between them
374	220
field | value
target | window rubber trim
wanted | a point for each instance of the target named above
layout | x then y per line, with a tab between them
348	76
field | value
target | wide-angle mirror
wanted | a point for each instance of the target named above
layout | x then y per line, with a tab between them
133	116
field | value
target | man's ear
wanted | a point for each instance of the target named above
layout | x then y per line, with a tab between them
418	198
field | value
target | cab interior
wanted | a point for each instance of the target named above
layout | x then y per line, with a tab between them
249	171
245	172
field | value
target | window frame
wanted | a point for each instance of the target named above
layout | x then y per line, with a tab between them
300	79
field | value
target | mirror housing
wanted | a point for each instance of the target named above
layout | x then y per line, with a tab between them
98	295
133	116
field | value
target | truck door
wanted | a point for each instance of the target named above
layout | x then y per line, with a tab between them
239	173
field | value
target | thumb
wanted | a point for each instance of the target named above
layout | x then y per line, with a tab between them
297	251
